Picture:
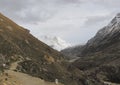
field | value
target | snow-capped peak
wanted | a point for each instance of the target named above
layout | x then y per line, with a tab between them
55	42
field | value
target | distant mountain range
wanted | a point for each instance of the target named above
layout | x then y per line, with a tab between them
55	42
72	52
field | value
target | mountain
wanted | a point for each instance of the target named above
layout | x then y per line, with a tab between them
101	55
106	36
103	38
21	53
55	42
72	52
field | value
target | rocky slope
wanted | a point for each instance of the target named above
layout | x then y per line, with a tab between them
101	55
36	58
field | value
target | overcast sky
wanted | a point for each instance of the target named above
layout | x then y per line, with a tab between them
75	21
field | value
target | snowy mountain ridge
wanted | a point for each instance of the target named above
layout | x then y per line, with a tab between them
55	42
107	34
108	30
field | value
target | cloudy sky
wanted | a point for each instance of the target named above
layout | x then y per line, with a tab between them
75	21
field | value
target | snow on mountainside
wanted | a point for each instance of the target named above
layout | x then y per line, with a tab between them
105	37
55	42
108	30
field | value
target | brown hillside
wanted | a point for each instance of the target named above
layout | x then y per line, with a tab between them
34	57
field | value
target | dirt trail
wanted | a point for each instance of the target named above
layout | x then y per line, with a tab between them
14	66
17	78
25	79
